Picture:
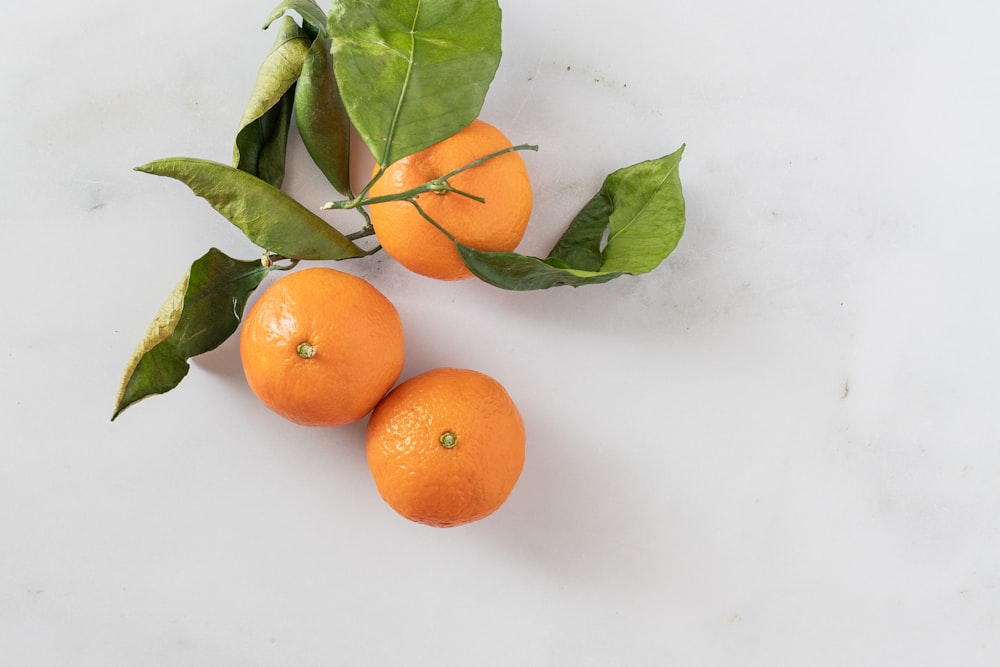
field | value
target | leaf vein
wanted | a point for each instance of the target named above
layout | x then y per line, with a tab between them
410	57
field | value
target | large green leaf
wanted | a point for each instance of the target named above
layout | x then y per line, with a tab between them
269	217
263	135
322	119
413	72
640	208
203	311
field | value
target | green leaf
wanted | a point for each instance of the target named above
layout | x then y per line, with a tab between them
640	208
322	119
320	114
647	220
263	135
269	217
413	72
313	18
513	271
275	124
580	244
203	311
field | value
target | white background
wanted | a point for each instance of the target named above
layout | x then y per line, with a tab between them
779	448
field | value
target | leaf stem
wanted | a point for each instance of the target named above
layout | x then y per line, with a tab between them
364	191
365	231
269	260
428	218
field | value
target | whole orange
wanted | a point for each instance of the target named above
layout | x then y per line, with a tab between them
321	347
498	224
446	447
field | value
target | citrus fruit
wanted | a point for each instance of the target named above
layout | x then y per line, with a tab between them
446	447
498	224
320	347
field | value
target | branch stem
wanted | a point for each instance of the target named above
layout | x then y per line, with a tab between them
439	184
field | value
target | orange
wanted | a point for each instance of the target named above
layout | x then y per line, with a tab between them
321	347
446	447
498	224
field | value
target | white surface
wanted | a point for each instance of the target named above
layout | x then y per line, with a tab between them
780	448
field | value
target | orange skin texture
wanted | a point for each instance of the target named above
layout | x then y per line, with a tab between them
423	480
496	225
356	334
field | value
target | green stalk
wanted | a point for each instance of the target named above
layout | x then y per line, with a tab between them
439	184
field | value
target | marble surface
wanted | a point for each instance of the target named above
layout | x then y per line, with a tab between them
780	448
